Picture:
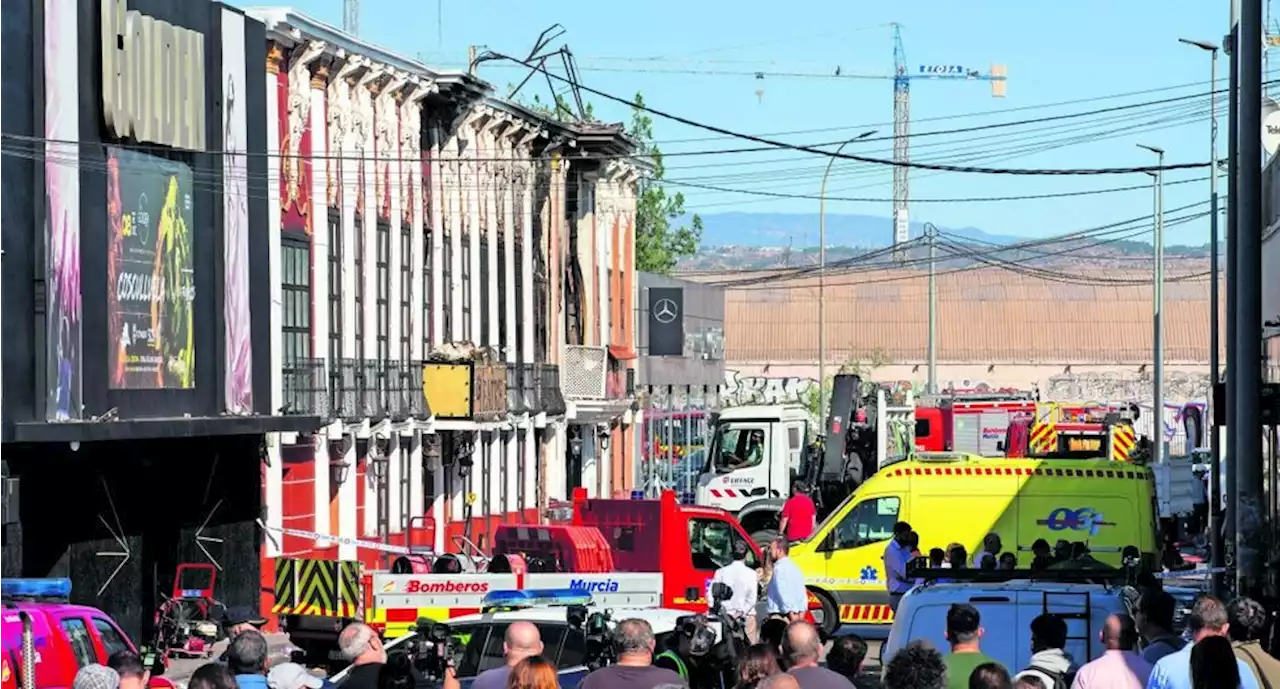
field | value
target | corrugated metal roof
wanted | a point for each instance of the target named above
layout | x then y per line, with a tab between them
984	316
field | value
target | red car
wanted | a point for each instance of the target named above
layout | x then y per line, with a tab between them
66	637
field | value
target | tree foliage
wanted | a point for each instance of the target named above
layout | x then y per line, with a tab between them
559	110
662	239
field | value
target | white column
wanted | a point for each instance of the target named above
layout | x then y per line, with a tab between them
453	189
369	233
342	98
319	240
509	309
321	454
437	505
459	494
394	261
416	492
471	188
273	484
497	455
601	228
511	460
556	475
438	199
524	206
273	241
491	188
369	526
417	258
347	527
530	460
397	449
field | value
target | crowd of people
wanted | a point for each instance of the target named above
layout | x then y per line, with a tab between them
1141	652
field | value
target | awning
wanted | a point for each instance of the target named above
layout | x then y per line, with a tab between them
622	352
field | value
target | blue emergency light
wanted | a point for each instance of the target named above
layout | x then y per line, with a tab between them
688	498
534	598
35	588
637	495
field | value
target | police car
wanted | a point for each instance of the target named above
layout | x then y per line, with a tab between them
483	633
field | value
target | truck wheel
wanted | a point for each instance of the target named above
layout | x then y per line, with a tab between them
764	537
828	616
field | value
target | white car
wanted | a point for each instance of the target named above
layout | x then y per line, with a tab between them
564	646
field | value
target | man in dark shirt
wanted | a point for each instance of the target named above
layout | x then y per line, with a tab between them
846	656
363	647
634	669
799	514
521	641
802	648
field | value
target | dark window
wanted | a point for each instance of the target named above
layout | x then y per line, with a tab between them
540	275
295	285
383	278
500	246
466	286
473	638
922	428
711	543
613	303
335	286
517	270
446	287
573	652
406	292
486	318
358	273
77	634
428	323
112	638
870	521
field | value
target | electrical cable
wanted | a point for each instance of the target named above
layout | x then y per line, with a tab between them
850	156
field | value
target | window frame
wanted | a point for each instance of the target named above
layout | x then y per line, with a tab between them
335	286
77	644
296	322
358	299
465	283
733	536
836	544
406	291
382	298
102	627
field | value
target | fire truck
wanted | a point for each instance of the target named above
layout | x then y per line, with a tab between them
1065	430
670	435
969	421
632	553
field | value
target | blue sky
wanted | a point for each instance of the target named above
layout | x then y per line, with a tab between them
1054	52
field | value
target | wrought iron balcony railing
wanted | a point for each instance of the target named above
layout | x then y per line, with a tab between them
371	396
517	401
530	387
549	389
344	375
305	388
405	396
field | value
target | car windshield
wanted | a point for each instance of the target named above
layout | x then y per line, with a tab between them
738	445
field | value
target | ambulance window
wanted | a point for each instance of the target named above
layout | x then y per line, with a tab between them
112	639
81	643
710	543
870	521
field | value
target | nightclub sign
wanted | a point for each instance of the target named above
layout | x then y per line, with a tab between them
153	85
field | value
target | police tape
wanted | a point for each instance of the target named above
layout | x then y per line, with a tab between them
1192	573
340	540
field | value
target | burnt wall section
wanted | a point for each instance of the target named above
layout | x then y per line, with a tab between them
149	499
21	53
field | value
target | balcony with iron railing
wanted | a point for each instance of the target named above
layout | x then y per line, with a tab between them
517	399
597	387
405	396
549	389
305	389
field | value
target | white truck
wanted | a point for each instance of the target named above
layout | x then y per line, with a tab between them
756	452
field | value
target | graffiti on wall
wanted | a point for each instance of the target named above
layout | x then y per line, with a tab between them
742	389
1123	387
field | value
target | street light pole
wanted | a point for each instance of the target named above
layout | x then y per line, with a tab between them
1215	370
1157	289
931	231
822	276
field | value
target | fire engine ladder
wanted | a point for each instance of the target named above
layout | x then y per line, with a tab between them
1072	606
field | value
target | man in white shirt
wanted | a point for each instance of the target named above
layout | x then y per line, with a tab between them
745	584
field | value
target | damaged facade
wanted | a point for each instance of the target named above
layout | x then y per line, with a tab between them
452	280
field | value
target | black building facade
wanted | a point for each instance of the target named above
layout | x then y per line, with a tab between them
136	297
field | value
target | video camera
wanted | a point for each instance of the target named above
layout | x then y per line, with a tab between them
597	632
424	659
733	641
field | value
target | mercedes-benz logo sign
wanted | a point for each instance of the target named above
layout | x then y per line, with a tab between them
665	311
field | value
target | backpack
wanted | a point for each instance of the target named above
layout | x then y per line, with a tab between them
1061	680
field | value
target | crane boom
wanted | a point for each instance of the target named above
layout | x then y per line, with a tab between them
902	77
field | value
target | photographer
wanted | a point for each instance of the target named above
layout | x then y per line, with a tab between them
362	646
521	641
634	669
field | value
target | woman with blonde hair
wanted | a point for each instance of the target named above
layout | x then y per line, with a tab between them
534	672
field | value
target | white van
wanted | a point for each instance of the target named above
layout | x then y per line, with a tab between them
1006	610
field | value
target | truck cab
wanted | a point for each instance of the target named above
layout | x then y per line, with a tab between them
755	453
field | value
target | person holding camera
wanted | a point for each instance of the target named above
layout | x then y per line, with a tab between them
522	640
745	584
634	669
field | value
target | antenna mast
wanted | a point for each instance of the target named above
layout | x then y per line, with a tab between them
351	17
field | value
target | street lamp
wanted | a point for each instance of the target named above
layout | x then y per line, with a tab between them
1157	289
822	275
1215	450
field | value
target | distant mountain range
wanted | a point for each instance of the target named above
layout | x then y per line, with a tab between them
734	241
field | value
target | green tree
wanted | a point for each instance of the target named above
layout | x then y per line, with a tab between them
812	400
661	238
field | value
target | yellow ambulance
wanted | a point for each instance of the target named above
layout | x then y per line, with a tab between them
959	498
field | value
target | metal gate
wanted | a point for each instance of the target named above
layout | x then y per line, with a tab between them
674	436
